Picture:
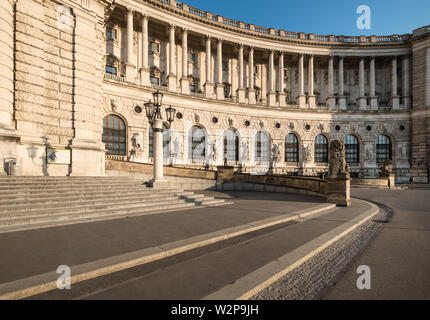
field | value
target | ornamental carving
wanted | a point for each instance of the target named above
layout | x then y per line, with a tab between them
337	162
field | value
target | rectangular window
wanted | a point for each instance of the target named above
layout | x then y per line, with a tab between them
110	33
155	80
111	70
225	66
192	57
154	47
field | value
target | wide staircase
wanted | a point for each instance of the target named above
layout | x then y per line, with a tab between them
38	202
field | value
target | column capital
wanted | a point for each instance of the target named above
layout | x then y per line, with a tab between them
145	16
219	40
130	11
185	30
172	26
241	45
208	37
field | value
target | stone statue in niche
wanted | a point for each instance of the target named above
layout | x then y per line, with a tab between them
337	162
369	152
276	154
402	153
137	150
307	153
387	168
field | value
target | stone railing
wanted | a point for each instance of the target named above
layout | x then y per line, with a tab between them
110	76
115	157
292	35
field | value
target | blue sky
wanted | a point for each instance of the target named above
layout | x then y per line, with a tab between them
336	17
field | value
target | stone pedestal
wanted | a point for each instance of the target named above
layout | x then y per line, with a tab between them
130	72
312	101
251	96
342	103
219	91
224	174
240	95
374	103
271	99
209	90
391	178
331	103
171	79
362	103
301	101
144	77
395	103
338	190
185	85
282	100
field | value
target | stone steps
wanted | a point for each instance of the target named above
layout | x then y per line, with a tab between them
38	202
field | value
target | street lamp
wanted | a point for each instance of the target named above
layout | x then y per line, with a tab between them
153	112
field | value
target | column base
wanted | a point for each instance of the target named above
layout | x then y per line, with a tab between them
144	77
130	72
395	103
301	101
406	102
282	100
161	184
171	79
342	103
362	103
271	99
209	90
240	95
312	101
185	85
220	91
251	96
331	102
374	103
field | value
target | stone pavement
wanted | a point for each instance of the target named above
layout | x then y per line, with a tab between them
35	254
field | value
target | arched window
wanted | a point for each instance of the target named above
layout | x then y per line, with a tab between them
166	142
114	135
231	145
383	149
197	143
321	149
262	146
291	148
352	149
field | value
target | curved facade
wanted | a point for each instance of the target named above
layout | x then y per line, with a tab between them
275	97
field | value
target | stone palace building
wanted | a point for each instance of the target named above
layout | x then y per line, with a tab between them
75	75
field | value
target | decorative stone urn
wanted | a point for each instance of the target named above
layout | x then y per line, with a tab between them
338	182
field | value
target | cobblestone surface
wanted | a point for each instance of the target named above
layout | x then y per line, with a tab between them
307	281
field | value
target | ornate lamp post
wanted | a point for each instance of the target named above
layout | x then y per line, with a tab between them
153	112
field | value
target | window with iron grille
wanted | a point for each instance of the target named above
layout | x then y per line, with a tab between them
197	145
262	141
383	149
321	149
291	148
114	135
231	145
352	149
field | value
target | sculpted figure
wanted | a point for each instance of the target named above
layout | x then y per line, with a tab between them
307	153
337	163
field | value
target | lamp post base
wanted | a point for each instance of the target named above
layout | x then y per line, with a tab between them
160	184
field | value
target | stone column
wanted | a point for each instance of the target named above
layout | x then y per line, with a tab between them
331	100
271	97
144	70
219	85
185	83
158	181
362	101
282	102
427	100
171	78
241	89
373	97
311	96
342	98
394	101
209	83
251	90
406	83
130	67
301	98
